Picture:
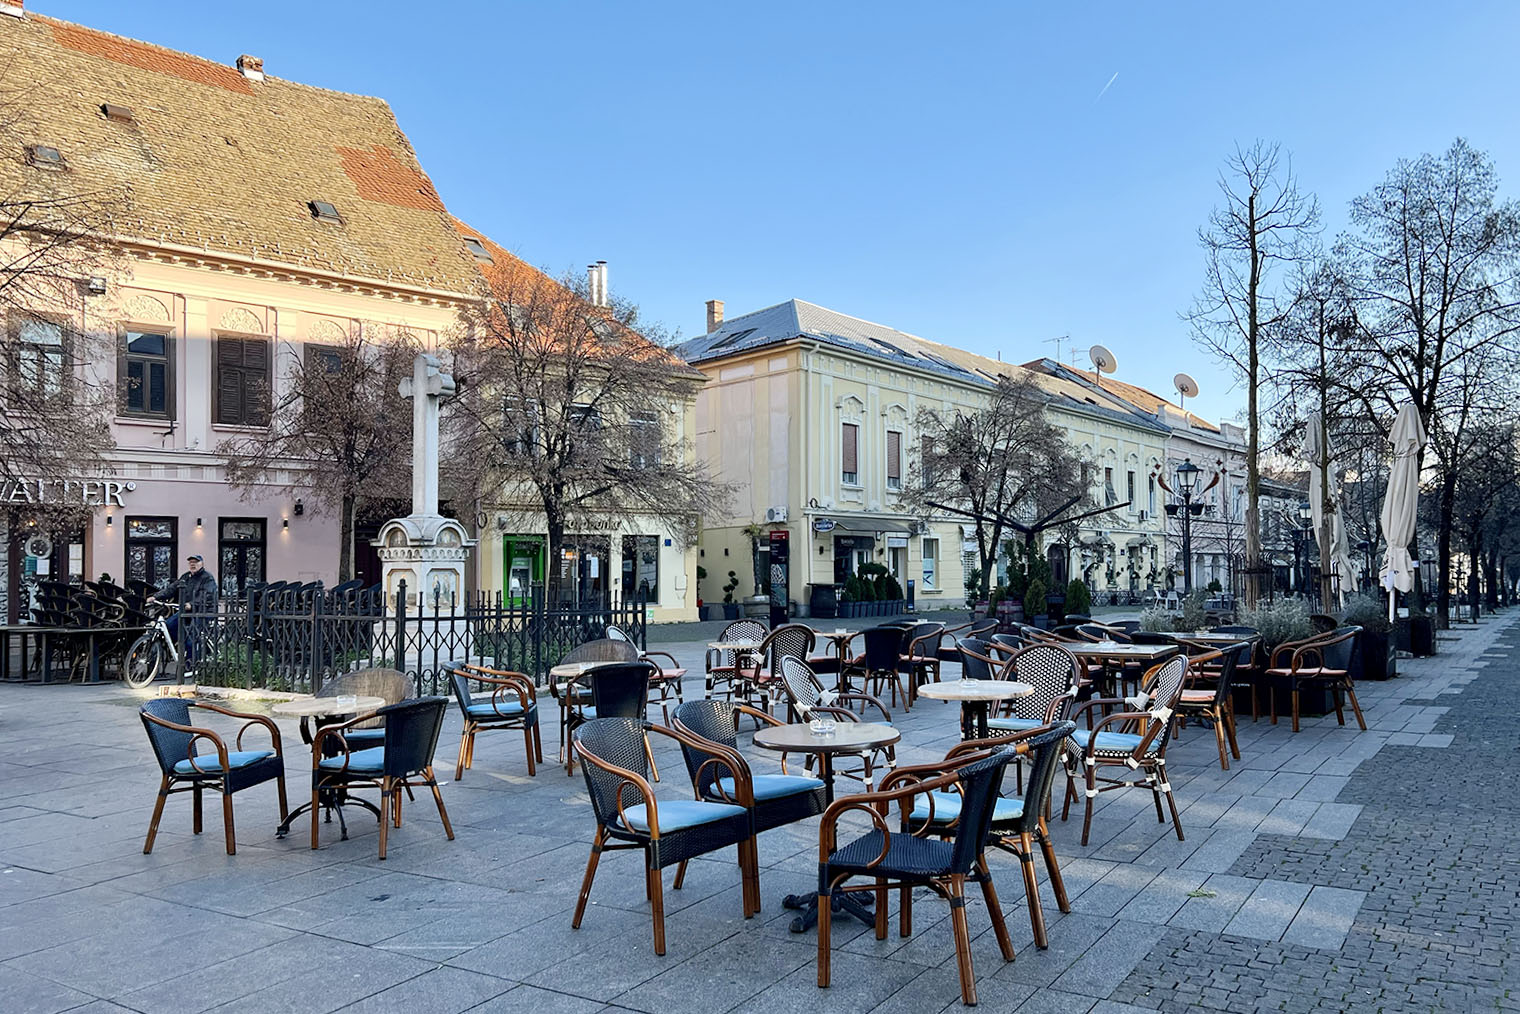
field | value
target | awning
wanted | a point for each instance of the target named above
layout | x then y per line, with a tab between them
869	526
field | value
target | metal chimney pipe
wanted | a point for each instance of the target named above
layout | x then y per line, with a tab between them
601	284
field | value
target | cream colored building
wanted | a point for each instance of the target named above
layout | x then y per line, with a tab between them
811	415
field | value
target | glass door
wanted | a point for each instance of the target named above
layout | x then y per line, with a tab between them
152	547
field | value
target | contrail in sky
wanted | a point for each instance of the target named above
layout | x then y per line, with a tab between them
1108	86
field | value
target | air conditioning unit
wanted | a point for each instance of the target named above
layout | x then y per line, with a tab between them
775	514
1144	515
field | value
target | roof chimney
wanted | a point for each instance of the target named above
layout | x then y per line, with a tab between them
15	8
251	67
596	284
714	315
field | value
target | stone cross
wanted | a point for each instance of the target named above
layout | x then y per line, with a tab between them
427	386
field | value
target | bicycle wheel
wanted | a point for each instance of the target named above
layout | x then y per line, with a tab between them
144	661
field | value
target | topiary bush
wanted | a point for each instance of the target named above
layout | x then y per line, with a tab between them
1078	598
1034	598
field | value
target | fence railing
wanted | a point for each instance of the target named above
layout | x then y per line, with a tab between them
295	640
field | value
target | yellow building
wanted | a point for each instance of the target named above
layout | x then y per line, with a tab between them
251	217
811	415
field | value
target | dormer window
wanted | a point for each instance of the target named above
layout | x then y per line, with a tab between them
324	212
117	114
45	157
478	250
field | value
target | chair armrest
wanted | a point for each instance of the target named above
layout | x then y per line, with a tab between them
843	713
877	805
648	656
336	731
525	695
914	773
745	709
196	733
1013	739
719	755
1125	716
251	720
860	695
628	778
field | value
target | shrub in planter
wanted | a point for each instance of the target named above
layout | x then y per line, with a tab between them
1034	598
1078	598
1375	660
1194	615
1154	618
1279	622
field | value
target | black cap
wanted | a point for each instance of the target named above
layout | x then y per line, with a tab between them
195	556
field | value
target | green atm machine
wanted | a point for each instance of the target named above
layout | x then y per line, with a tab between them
523	566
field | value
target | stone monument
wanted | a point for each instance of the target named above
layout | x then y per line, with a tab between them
425	549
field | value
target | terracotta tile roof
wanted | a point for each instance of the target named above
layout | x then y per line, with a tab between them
507	273
218	163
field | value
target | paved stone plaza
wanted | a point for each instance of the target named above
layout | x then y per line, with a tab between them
1332	870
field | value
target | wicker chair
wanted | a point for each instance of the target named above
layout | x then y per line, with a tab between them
173	738
668	833
665	681
1139	751
878	663
1056	675
1212	703
388	684
1018	825
723	666
980	628
411	739
513	705
574	695
757	679
1249	674
1325	661
712	757
977	662
918	858
919	660
804	695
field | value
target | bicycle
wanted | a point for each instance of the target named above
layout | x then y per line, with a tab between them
152	653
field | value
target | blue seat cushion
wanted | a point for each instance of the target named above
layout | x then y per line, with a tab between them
360	738
947	807
507	707
1113	744
1013	724
678	814
362	762
209	764
773	786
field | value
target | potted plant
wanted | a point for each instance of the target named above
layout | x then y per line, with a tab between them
1279	622
1375	661
850	599
895	595
1078	598
1034	602
730	607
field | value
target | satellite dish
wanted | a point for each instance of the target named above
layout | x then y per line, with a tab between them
1103	360
1186	385
39	546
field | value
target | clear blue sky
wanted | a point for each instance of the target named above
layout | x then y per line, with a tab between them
949	170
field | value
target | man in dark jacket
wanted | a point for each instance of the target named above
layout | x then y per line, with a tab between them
195	590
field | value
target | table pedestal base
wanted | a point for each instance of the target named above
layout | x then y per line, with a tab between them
332	805
808	905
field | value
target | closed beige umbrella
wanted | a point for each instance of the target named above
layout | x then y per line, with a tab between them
1401	502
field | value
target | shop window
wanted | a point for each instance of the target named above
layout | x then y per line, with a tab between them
152	549
145	370
849	454
242	381
241	553
641	566
931	562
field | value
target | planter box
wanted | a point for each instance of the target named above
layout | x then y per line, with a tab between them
730	610
1374	658
822	601
1312	700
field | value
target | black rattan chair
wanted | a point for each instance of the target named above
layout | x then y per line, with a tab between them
390	685
1212	703
614	756
757	681
906	859
1322	661
513	705
173	738
1018	824
574	695
877	662
919	660
411	739
977	662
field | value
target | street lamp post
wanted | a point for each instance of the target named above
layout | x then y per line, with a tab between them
1301	538
1184	484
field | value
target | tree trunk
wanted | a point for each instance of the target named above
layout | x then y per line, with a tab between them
346	511
1443	548
555	527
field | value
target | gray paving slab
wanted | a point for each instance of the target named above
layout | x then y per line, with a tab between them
1268	912
1325	918
1332	820
1107	962
1212	905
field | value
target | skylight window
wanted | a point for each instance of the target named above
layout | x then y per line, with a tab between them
120	114
478	249
891	348
45	157
324	212
732	339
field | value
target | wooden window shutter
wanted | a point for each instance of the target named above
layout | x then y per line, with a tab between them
256	381
229	381
849	450
894	454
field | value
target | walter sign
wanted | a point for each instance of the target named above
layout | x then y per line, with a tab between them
66	492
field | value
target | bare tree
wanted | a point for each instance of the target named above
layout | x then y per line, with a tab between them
52	242
1437	262
1259	231
1480	491
333	432
1006	467
573	416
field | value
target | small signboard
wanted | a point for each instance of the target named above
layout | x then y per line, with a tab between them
823	525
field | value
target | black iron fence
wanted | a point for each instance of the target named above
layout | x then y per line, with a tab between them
296	639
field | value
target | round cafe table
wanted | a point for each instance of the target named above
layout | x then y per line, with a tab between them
976	697
326	711
847	738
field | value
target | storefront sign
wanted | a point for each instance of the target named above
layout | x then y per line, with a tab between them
897	542
69	492
823	525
